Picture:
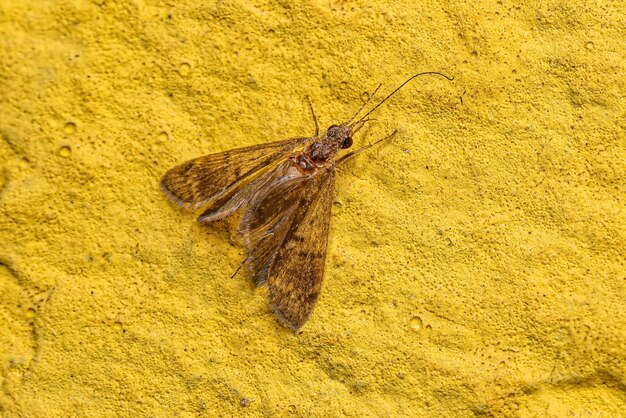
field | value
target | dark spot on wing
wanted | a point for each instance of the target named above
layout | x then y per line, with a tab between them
297	238
312	297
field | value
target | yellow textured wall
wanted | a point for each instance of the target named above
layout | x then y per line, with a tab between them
476	263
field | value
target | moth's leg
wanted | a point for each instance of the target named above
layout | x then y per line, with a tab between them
369	98
358	126
239	268
317	128
355	152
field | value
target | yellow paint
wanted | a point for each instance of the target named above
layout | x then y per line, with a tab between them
476	262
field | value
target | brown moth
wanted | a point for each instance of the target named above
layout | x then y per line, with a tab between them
284	192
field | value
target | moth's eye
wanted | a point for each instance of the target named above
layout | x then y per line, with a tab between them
347	143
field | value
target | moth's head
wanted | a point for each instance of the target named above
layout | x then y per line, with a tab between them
341	135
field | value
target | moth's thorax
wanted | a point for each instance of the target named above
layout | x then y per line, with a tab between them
303	162
325	148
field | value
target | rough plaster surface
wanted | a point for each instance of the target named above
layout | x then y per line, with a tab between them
476	262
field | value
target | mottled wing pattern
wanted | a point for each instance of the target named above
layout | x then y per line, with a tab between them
242	194
286	232
295	279
268	217
203	180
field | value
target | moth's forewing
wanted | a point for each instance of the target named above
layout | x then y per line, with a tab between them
204	180
295	280
244	193
285	231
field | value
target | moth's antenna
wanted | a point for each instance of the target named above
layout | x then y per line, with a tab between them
396	90
369	97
